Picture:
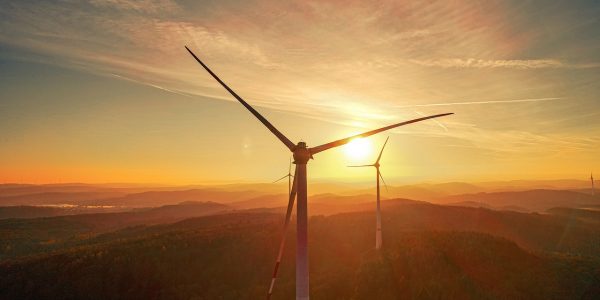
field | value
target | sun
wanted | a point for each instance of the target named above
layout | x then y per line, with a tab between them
358	148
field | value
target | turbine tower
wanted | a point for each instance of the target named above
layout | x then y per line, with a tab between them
378	213
592	179
289	177
302	154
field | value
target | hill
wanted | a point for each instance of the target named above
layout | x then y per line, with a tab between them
32	212
158	198
538	232
28	212
581	214
56	198
533	200
29	236
319	203
230	257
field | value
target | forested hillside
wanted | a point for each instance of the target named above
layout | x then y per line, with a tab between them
430	252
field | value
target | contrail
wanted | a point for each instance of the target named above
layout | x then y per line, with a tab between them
436	121
482	102
151	85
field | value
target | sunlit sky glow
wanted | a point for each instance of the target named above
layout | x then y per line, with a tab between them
358	148
103	90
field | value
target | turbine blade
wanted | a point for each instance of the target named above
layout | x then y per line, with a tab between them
360	166
288	216
385	184
380	153
280	179
270	126
341	142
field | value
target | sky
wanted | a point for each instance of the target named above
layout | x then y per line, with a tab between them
104	90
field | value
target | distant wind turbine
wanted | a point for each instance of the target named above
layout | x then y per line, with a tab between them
289	177
378	213
302	154
592	179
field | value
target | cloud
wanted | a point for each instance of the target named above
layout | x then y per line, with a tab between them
481	63
361	63
144	6
484	102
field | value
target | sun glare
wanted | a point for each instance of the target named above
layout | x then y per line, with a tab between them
358	148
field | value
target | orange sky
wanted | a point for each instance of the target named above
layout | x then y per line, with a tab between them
103	91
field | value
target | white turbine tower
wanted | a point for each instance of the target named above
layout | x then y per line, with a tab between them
592	179
378	213
302	154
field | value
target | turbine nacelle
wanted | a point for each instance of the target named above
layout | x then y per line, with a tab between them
301	154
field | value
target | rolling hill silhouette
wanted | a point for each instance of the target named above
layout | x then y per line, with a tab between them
219	243
229	256
159	198
548	232
29	236
533	200
30	212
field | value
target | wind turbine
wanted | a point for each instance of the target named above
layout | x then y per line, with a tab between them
302	154
289	177
378	213
592	179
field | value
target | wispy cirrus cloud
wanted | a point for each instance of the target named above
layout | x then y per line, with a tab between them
144	6
512	63
481	63
484	102
364	63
